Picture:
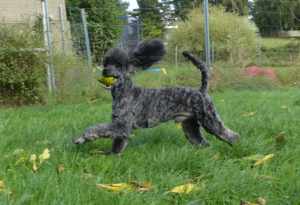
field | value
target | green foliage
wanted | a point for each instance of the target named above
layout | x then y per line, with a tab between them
271	15
104	26
190	35
22	70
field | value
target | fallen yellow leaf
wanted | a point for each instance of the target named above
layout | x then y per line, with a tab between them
222	100
182	189
22	159
133	136
99	151
4	191
248	114
17	151
2	184
263	160
124	187
32	118
164	71
94	70
33	158
45	155
283	106
88	100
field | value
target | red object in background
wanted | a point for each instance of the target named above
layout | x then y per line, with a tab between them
257	71
253	70
269	73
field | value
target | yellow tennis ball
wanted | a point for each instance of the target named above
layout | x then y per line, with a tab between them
107	80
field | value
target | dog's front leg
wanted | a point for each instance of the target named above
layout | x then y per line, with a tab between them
104	130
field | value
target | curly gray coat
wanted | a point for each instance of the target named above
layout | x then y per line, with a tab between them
136	107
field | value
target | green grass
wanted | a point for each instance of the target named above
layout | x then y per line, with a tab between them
273	42
160	155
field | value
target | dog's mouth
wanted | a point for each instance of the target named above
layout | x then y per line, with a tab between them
109	87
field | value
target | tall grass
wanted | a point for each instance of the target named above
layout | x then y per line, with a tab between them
160	155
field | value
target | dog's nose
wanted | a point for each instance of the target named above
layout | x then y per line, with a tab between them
105	71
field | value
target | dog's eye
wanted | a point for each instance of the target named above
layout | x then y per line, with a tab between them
118	65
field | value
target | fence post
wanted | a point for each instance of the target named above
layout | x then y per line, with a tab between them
87	40
176	56
46	46
206	22
62	28
213	52
49	45
259	49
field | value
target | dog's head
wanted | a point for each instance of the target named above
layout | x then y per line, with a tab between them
119	62
115	64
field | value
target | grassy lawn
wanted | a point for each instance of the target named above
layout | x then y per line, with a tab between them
159	155
272	42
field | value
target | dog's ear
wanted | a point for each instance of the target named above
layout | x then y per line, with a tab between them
145	53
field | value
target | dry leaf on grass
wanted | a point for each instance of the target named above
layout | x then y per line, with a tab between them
99	151
2	184
263	160
262	201
283	106
217	156
45	155
61	167
268	177
164	71
248	114
12	198
123	187
15	153
22	159
196	178
87	176
187	188
33	158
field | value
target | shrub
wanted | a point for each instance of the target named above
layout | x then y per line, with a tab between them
191	34
22	69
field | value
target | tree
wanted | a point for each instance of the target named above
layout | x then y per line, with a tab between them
152	13
182	7
104	26
270	15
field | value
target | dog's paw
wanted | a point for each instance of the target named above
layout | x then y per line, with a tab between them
80	140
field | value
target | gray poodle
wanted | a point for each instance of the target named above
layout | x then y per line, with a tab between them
136	107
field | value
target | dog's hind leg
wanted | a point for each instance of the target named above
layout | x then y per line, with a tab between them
118	145
192	132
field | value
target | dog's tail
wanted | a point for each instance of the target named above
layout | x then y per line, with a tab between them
200	65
